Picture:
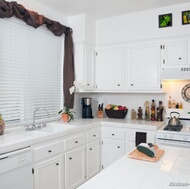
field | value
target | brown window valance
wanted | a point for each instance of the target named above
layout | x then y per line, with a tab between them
9	9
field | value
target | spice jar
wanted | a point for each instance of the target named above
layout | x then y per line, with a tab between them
2	125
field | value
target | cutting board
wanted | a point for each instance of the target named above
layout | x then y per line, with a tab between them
135	154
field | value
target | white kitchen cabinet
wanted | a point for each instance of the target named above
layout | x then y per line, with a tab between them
174	52
110	64
93	159
74	168
75	161
48	173
113	144
84	67
144	69
48	165
112	150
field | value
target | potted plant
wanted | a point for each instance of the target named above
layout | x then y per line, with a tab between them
67	114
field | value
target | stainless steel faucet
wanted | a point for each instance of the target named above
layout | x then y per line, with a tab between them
34	116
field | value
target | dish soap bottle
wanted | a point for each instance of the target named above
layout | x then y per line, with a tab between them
2	125
170	102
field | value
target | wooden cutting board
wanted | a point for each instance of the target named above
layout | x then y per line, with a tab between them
135	154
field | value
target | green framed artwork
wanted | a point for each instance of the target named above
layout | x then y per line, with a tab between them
185	17
165	20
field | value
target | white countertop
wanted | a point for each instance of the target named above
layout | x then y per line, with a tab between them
18	137
172	169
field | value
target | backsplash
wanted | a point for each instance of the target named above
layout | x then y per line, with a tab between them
134	100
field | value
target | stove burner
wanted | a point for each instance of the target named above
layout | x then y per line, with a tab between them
173	128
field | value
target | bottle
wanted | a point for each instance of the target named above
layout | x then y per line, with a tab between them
173	104
180	105
140	113
177	105
133	114
170	102
2	125
160	112
153	111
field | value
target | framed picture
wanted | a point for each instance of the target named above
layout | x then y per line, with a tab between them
165	20
185	15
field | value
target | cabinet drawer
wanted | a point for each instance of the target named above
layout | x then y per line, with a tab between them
74	142
93	135
113	133
46	151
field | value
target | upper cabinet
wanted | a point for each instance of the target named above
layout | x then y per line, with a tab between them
84	67
143	70
174	52
110	64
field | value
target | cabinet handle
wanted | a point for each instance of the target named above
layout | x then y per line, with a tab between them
49	151
94	135
70	158
118	147
112	134
76	141
57	163
90	148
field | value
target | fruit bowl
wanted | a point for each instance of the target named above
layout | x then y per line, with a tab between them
119	114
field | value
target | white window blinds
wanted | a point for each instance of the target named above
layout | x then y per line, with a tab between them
30	71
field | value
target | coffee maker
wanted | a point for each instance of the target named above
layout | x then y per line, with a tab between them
86	108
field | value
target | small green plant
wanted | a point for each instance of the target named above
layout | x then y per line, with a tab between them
69	112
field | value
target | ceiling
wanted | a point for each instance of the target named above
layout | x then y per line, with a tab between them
106	8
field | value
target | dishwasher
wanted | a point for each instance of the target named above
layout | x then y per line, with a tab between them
16	169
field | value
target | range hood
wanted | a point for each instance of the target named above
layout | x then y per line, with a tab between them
176	73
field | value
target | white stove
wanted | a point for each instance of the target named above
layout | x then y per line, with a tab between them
175	138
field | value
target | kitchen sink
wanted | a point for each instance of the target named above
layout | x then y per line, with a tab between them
56	127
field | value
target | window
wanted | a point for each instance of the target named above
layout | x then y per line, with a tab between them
30	71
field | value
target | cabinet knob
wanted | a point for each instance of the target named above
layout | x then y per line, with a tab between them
76	141
118	147
49	151
180	58
57	163
70	158
118	85
90	148
131	84
88	84
94	135
112	134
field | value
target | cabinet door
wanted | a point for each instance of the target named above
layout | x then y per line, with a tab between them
144	67
112	150
74	168
93	159
89	55
174	53
84	67
48	174
110	66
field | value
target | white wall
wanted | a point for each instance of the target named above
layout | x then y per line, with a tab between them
140	25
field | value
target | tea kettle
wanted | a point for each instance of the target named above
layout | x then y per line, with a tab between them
173	120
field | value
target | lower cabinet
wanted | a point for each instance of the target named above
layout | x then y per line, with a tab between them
48	173
112	150
74	168
93	163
